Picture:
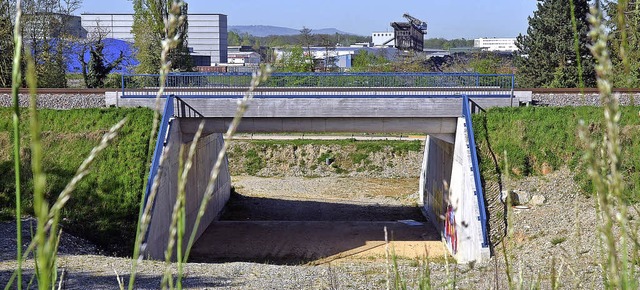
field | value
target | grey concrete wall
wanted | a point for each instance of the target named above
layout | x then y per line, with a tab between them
330	107
309	125
435	179
204	159
158	234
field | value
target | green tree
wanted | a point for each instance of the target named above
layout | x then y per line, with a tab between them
624	42
306	38
148	32
96	71
233	39
6	43
295	60
364	61
547	56
47	36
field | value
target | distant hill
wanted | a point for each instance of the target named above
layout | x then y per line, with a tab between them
266	30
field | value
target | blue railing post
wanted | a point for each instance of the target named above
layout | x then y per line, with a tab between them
122	82
513	83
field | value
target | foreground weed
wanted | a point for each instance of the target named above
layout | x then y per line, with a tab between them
173	21
16	79
604	171
46	239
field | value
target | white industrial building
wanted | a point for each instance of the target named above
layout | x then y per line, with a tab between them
207	35
386	39
244	58
496	44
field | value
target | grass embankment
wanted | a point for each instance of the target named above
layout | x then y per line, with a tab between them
310	156
538	139
104	207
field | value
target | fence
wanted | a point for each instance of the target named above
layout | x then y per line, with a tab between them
221	81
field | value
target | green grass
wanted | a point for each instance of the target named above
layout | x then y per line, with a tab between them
104	207
533	136
363	146
253	162
358	157
558	240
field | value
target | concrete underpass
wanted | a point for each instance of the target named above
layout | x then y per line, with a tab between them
306	231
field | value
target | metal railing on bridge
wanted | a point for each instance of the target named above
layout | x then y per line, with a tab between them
208	83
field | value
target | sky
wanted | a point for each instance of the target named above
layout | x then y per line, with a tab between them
446	18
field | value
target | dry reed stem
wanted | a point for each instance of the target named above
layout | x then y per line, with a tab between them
173	21
16	81
604	169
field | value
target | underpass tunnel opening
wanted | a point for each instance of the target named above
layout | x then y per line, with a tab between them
315	201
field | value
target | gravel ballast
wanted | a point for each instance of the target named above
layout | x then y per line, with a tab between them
58	101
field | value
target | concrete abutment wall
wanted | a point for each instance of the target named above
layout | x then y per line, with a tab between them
205	157
449	197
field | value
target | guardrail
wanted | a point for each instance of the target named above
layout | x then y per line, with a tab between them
503	82
184	110
160	144
466	112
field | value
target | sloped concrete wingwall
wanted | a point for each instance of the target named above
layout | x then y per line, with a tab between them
435	179
448	196
204	159
463	230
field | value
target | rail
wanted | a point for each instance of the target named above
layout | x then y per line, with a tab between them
184	110
466	112
160	145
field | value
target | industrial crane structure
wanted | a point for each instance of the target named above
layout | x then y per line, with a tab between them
409	35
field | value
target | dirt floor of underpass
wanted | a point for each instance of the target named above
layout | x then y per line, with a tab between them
296	220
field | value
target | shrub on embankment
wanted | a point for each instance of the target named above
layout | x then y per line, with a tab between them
104	207
540	139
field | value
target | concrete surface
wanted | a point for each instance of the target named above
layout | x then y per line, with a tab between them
316	242
435	125
204	159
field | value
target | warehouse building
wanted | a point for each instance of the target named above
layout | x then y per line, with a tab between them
207	34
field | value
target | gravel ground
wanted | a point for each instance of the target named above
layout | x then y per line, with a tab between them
561	100
560	231
58	101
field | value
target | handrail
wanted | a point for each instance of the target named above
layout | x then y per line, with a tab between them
160	144
184	110
329	80
466	112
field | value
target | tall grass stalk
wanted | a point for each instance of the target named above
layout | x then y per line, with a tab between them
47	235
507	245
15	87
603	169
178	217
173	21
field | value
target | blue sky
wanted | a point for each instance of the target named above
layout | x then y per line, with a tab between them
446	18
